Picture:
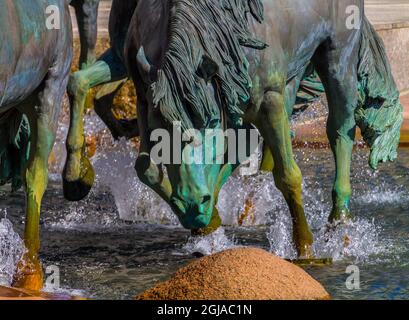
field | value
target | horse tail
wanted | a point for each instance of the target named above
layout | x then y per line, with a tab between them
379	114
14	147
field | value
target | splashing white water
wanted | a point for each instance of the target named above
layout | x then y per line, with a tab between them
64	292
134	201
248	200
116	186
210	244
380	196
357	240
11	251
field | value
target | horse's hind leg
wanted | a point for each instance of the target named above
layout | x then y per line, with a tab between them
43	111
86	12
78	175
272	121
339	76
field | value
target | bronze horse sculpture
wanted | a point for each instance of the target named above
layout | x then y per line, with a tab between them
231	64
35	62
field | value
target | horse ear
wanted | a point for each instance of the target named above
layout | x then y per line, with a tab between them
208	68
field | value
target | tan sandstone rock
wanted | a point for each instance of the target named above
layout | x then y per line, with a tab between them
239	274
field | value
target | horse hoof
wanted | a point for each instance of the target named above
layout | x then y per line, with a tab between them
339	216
77	190
305	252
29	275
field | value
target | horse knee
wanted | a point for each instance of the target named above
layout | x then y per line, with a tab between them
273	108
78	84
289	181
147	171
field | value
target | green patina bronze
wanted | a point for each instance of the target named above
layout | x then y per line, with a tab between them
34	69
236	64
110	70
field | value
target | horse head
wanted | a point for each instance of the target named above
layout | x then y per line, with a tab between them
200	84
195	146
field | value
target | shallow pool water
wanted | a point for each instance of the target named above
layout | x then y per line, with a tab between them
100	255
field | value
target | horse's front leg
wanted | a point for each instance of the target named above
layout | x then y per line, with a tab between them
43	114
152	176
341	134
86	12
29	271
341	89
272	120
78	175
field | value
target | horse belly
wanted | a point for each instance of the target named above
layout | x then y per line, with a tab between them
26	50
17	85
293	29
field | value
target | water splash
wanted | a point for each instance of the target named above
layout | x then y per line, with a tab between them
64	293
117	194
11	251
383	195
356	240
209	244
249	200
134	200
279	237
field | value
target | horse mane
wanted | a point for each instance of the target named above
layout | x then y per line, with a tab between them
217	30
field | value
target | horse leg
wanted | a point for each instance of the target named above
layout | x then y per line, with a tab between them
78	175
291	89
86	12
273	123
341	88
267	161
43	116
103	107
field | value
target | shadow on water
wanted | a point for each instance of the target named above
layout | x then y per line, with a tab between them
103	256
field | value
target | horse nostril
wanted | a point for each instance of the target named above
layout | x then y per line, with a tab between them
206	198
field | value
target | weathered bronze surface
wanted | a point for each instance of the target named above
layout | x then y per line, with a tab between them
238	64
35	63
